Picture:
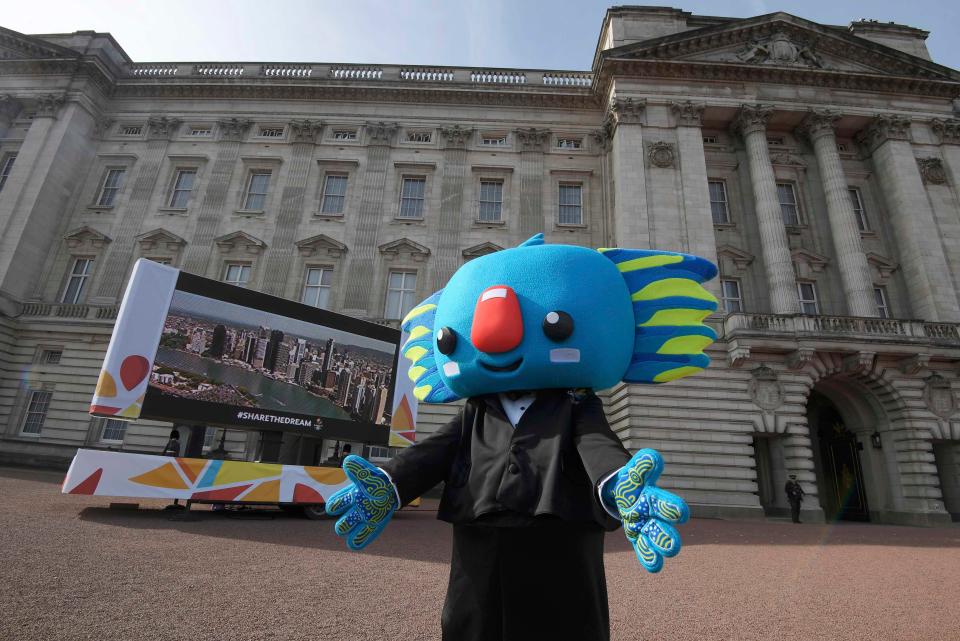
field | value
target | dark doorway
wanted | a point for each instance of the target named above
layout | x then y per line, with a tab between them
843	495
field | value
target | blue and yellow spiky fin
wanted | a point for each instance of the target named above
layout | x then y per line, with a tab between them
418	324
669	306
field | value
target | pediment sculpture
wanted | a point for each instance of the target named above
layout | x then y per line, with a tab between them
779	49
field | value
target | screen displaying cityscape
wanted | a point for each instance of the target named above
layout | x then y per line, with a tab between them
220	352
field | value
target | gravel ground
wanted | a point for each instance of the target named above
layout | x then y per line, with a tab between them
73	569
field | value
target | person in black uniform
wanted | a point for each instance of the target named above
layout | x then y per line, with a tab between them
795	495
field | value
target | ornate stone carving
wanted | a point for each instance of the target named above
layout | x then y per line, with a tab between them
240	240
939	396
313	246
688	114
625	111
48	105
602	138
785	158
406	248
9	107
86	238
305	130
101	125
799	358
913	364
883	128
738	355
819	122
162	127
482	249
859	363
532	139
160	239
456	136
931	170
234	129
738	257
764	388
780	49
751	118
948	131
661	154
381	133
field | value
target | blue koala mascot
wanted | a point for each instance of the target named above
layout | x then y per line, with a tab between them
533	475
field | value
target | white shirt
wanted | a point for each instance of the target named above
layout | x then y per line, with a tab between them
515	408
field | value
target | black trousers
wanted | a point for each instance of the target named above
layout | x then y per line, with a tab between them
545	581
795	510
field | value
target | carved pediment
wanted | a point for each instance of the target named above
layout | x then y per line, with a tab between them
881	266
85	236
782	40
17	46
321	245
240	242
404	247
808	263
480	250
160	239
732	259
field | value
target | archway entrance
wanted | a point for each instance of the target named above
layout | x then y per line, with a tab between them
842	492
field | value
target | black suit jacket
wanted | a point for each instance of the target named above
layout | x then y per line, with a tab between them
550	464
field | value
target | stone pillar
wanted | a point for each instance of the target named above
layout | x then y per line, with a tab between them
631	220
531	180
363	249
948	132
817	127
9	108
280	255
701	240
751	123
232	132
931	292
451	204
116	262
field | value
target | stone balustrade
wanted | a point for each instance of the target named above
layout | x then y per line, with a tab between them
801	326
62	310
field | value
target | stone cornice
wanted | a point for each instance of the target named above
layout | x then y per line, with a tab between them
948	131
688	114
883	128
751	118
818	123
305	130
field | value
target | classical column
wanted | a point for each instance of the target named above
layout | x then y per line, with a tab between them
921	251
817	127
531	141
9	108
631	220
303	135
751	123
117	261
454	140
232	132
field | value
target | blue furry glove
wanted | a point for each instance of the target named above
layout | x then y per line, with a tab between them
369	503
647	511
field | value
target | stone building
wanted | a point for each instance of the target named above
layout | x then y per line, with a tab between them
818	165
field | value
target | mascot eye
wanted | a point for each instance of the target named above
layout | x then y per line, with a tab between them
557	325
446	341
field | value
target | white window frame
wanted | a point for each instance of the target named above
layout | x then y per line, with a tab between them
7	167
80	277
710	140
569	143
494	204
494	140
419	137
199	131
108	425
795	204
729	302
406	297
51	356
806	302
105	200
267	131
243	269
345	135
325	194
421	200
130	130
571	206
882	301
725	202
859	212
317	294
248	194
175	188
38	404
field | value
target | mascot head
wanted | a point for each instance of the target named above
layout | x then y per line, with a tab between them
559	316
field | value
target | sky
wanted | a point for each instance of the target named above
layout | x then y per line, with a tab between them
530	34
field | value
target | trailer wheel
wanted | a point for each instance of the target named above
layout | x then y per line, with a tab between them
315	512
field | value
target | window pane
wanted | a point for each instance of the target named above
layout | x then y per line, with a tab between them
6	169
36	412
111	185
718	202
77	280
401	292
316	290
182	188
257	191
114	430
334	189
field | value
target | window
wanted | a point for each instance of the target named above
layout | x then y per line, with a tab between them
419	136
344	134
491	201
730	295
412	196
334	194
112	182
401	294
77	281
36	412
376	451
841	147
208	434
788	204
200	132
718	202
113	431
775	140
571	204
807	292
569	143
271	132
6	169
257	191
883	307
493	141
858	211
236	274
316	288
160	261
182	186
131	130
709	140
51	356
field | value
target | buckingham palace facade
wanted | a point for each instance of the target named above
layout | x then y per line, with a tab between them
817	165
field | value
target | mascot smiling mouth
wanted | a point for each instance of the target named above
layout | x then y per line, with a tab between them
509	367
